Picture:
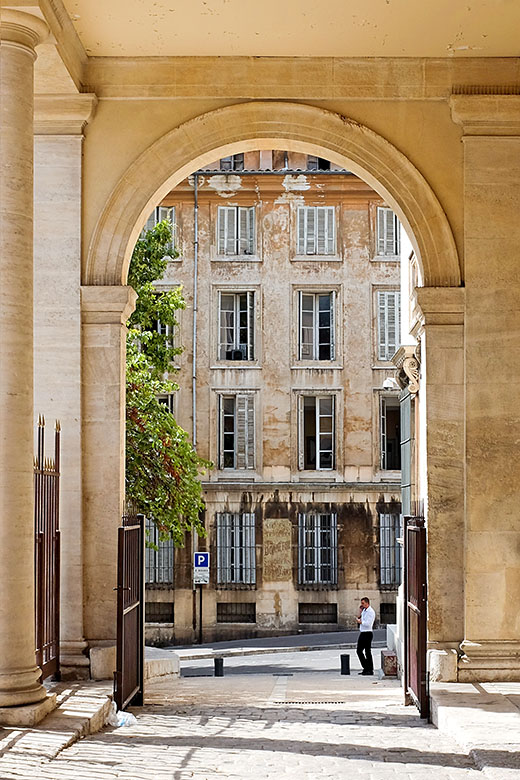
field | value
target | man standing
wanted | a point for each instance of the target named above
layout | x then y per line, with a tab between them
364	644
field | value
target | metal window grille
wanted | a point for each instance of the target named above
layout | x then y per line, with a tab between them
237	431
159	612
316	230
316	312
228	612
316	432
236	548
236	230
317	549
236	326
388	321
390	550
317	613
158	562
388	232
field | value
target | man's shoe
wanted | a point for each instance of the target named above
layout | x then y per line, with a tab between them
361	672
368	674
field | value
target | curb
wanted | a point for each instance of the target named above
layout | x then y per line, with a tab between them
232	653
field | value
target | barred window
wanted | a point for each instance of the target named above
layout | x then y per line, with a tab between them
158	562
237	431
388	232
236	548
236	326
390	549
317	549
316	230
236	230
316	331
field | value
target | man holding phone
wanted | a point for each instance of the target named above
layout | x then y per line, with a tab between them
365	620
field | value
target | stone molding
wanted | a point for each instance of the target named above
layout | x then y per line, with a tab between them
487	114
407	361
107	305
22	29
437	306
489	660
63	114
244	127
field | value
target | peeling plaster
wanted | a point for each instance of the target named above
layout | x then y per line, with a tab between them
226	186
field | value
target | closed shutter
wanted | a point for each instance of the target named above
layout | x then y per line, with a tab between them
388	323
387	232
245	446
324	230
246	230
227	230
150	222
310	231
301	230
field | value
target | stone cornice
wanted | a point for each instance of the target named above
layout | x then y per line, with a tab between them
107	305
497	114
20	28
63	114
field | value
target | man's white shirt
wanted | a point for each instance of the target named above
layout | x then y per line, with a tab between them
367	619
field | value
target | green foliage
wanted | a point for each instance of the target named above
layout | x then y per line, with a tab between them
162	468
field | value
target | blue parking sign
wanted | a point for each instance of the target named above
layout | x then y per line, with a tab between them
201	568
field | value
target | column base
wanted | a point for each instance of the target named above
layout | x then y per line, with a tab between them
28	715
74	664
442	664
20	688
489	661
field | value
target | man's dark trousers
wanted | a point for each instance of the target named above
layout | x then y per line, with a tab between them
364	651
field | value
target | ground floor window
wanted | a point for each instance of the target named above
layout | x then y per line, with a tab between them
158	557
236	548
317	548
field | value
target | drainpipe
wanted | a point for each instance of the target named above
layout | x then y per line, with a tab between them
195	303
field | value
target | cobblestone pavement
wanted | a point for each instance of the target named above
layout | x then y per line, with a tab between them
301	724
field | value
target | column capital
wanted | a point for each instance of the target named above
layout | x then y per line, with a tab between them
22	29
107	305
63	114
486	114
437	306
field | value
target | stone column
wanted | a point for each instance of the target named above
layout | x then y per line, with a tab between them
439	315
59	124
19	676
491	126
105	311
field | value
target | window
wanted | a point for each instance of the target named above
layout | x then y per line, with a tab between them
158	562
316	429
159	612
168	400
390	425
230	612
317	549
236	230
168	331
316	230
236	326
158	215
316	331
388	229
235	162
317	163
236	551
317	613
237	431
388	320
390	550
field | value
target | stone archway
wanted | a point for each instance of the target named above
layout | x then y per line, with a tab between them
251	126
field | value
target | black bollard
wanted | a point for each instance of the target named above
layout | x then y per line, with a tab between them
219	667
345	664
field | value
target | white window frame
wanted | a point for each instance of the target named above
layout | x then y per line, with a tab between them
158	215
388	311
316	230
320	434
315	328
388	233
312	554
236	231
168	400
246	348
236	548
243	431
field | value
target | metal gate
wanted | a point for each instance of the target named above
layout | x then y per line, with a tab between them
129	674
416	675
47	554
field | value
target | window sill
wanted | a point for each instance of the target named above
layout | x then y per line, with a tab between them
318	476
385	259
235	364
390	475
314	258
317	365
236	259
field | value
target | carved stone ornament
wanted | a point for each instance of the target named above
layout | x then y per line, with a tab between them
406	359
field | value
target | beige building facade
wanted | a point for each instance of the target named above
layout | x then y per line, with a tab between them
298	286
429	117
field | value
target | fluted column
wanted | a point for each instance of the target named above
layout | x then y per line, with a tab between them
19	676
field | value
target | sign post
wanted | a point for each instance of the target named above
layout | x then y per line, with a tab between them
200	578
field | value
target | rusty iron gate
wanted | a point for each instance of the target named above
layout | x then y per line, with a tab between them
129	674
416	673
47	554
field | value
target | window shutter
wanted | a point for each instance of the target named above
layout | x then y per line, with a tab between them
246	230
245	444
302	211
150	223
381	230
382	339
382	425
301	442
220	432
329	249
221	229
227	230
321	230
310	231
389	232
392	323
250	326
332	326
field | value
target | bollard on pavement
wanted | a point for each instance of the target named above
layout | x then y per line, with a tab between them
219	667
345	664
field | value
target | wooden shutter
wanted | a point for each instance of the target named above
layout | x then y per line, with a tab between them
246	230
324	230
387	232
388	306
245	442
150	222
250	326
227	230
310	231
302	221
331	238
